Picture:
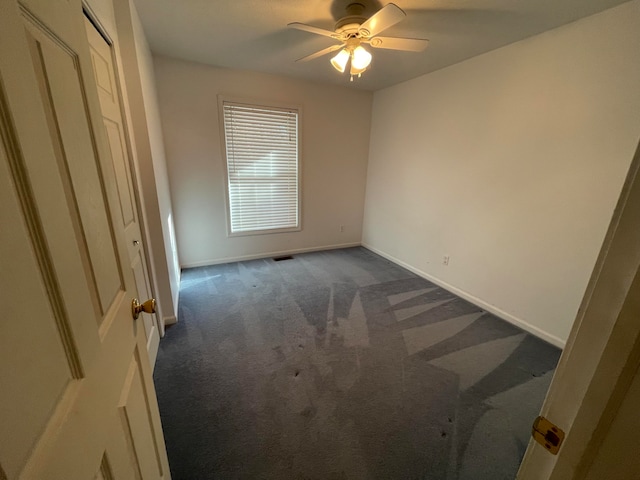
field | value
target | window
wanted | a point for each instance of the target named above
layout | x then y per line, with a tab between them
261	151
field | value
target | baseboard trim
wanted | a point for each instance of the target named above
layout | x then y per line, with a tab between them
258	256
170	320
518	322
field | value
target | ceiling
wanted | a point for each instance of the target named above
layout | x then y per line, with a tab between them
253	34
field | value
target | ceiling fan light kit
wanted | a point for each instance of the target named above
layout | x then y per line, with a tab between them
339	62
354	30
360	60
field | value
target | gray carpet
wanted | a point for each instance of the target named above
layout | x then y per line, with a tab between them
342	365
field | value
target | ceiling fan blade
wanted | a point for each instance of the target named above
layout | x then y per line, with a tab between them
312	29
322	52
407	44
384	18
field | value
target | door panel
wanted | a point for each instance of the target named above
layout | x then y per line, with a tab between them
34	390
117	148
57	71
67	340
143	290
105	472
105	78
136	423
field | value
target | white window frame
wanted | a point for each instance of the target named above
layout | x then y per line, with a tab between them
222	100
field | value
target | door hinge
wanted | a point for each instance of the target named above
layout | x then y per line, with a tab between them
547	434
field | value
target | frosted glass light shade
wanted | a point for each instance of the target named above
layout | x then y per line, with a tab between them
339	62
356	71
361	59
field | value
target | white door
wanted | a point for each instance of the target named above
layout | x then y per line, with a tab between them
108	93
76	394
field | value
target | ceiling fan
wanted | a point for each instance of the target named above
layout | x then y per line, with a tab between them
354	30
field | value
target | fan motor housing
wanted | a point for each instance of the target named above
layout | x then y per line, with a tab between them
349	25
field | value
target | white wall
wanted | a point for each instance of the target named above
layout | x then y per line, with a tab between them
511	163
335	141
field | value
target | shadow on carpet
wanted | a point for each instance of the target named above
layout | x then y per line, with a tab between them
342	365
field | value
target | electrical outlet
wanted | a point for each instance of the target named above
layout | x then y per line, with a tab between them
341	228
445	260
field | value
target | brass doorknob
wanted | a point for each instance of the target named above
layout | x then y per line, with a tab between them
136	308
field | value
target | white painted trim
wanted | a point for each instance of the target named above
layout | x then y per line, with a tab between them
269	254
518	322
170	320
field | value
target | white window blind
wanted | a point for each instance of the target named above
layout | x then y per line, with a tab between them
262	167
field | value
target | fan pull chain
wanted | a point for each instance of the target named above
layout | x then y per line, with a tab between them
351	79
